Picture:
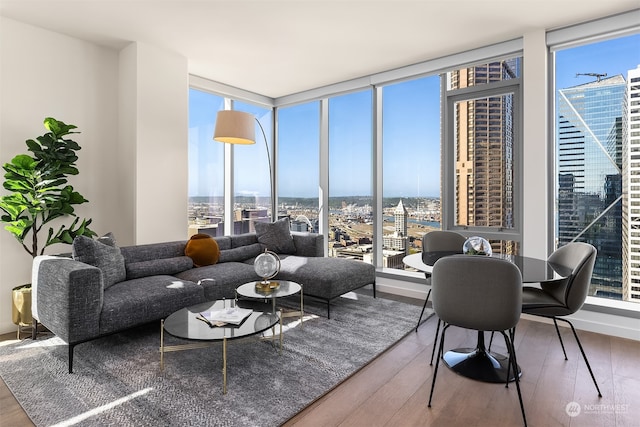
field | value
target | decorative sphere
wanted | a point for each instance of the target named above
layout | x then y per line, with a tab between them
476	245
267	265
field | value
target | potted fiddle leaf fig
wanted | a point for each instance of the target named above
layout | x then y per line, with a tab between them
40	194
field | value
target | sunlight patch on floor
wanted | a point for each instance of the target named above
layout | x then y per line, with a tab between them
291	325
79	418
53	342
8	342
350	295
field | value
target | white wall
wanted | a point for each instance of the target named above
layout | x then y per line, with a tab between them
535	145
47	74
154	111
133	161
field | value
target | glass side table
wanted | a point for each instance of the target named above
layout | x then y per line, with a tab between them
285	288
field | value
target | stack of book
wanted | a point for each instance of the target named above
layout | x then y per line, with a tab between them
233	315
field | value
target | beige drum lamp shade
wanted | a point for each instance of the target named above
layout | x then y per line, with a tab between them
238	127
235	127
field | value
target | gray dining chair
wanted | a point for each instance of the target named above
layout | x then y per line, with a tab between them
557	299
482	294
435	245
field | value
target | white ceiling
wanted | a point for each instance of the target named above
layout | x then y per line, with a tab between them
276	48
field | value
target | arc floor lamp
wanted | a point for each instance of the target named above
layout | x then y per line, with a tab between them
237	127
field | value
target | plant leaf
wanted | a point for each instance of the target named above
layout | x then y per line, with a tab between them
40	192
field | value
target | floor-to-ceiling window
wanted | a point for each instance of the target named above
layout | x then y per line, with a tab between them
597	160
252	182
206	164
298	165
410	165
350	176
356	139
215	167
483	143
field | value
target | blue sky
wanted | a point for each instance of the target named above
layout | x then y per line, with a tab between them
612	57
411	134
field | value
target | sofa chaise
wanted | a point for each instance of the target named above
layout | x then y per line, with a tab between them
104	289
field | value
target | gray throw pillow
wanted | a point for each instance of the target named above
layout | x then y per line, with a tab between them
102	253
108	239
154	267
241	253
276	236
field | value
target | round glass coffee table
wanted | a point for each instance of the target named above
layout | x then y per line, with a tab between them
284	288
185	324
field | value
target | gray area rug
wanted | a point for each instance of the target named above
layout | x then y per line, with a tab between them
117	379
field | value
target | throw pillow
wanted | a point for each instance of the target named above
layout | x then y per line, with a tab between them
202	249
108	239
102	253
154	267
276	236
241	253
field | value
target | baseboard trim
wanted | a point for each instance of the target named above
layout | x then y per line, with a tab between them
592	320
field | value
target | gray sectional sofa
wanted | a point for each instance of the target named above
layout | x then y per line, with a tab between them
107	289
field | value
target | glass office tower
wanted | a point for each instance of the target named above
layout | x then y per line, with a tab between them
589	165
631	191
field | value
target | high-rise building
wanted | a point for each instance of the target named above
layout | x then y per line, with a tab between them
399	239
400	215
631	190
484	151
589	166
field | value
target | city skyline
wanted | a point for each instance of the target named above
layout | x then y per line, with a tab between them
588	142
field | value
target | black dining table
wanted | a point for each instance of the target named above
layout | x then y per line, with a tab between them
479	363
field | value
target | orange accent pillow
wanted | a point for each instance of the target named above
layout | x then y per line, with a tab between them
202	249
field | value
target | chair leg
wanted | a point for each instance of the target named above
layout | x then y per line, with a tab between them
584	356
423	308
435	342
34	329
435	372
512	336
555	322
506	385
513	363
71	347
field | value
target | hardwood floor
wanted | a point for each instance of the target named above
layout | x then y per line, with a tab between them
393	390
11	413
